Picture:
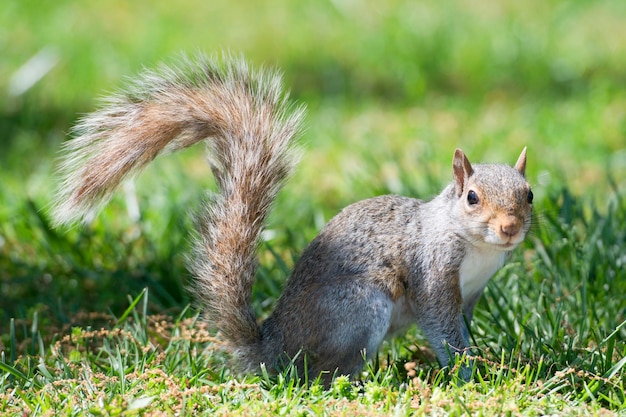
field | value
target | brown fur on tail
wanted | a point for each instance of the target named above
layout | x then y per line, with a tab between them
250	128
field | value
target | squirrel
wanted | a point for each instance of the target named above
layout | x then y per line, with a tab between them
376	268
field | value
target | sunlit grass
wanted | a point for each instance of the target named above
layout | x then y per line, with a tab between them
95	319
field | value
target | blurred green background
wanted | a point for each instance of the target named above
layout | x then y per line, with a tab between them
392	89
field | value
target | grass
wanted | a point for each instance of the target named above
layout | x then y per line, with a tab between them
96	320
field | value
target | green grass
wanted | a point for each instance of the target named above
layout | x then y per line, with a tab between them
95	320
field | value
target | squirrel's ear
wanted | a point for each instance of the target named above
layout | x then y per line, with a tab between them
462	170
520	165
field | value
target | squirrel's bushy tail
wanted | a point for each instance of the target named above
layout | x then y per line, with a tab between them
250	128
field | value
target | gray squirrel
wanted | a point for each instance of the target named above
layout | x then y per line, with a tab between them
377	267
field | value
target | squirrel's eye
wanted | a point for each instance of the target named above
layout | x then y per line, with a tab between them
472	198
530	197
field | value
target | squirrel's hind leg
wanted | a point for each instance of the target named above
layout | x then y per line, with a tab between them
348	324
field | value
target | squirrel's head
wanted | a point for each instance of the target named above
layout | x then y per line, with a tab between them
495	201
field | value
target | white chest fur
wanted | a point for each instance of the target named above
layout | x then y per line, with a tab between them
477	267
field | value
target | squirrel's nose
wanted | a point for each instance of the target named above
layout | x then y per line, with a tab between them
510	226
